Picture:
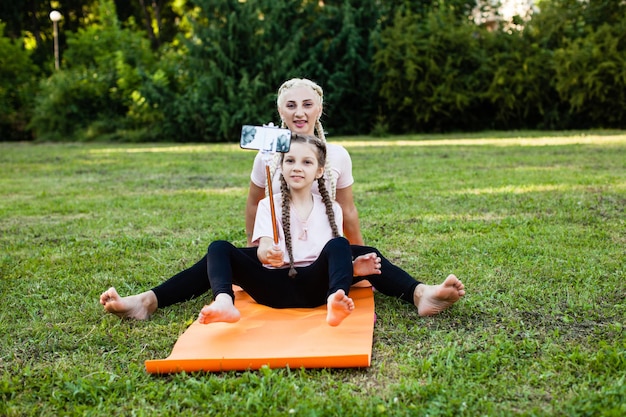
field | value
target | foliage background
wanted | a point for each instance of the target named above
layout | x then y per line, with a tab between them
196	70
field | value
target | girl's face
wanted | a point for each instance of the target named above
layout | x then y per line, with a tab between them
300	166
300	109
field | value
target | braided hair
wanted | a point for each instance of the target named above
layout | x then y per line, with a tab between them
319	129
286	197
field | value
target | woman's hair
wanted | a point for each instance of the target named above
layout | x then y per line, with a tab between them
319	130
320	146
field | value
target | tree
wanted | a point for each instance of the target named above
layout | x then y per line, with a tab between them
17	78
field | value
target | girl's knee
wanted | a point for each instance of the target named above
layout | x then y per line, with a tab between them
219	245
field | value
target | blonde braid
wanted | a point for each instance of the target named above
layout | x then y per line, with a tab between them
327	167
286	197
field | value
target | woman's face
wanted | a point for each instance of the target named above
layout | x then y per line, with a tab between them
300	109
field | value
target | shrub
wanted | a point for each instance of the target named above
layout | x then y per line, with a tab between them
591	77
434	72
102	73
17	86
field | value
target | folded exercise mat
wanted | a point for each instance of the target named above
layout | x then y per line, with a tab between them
294	337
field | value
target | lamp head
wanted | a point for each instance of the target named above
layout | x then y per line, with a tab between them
55	16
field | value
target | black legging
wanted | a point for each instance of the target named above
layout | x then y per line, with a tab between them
194	281
331	271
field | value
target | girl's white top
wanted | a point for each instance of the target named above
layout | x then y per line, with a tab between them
308	236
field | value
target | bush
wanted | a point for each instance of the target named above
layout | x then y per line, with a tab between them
17	86
103	70
521	89
434	72
591	77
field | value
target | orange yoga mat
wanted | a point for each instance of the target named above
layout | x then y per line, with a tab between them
293	337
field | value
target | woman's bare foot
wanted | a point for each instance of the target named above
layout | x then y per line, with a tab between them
221	310
433	299
365	265
138	307
339	306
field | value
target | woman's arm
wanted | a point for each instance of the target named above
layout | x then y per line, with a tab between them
351	227
255	194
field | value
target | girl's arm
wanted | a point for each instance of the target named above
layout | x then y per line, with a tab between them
351	227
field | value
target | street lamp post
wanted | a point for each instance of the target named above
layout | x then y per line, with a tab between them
55	16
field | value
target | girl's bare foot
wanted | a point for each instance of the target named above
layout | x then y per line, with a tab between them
339	306
221	310
138	307
433	299
365	265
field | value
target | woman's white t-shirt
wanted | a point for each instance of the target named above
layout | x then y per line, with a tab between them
308	236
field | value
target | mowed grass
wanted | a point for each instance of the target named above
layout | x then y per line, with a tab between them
534	224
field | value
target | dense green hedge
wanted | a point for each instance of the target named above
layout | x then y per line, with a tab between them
17	87
395	67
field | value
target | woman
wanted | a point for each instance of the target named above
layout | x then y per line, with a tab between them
300	106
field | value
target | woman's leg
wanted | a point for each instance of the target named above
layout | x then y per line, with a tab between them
184	286
392	281
188	284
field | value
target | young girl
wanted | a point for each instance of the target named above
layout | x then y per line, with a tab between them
311	265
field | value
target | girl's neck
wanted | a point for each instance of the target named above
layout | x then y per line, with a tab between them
301	197
302	203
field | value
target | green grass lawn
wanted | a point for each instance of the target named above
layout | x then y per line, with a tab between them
533	223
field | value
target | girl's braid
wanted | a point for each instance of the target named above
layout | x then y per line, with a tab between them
286	197
321	184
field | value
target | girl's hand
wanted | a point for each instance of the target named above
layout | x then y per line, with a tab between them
365	265
274	257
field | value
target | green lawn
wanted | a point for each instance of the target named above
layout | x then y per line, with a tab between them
533	223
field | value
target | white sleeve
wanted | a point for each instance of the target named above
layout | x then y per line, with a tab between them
262	222
258	176
341	163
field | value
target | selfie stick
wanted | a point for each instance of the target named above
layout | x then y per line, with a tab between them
271	194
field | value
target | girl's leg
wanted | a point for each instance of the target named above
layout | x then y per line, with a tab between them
338	257
224	261
393	280
339	263
273	287
331	272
